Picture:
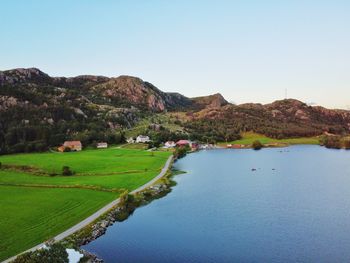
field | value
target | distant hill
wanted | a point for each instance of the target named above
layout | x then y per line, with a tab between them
280	119
123	91
38	111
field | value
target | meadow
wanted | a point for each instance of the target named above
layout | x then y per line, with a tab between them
249	137
39	203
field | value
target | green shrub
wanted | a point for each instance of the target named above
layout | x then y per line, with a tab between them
346	145
55	253
257	145
332	142
66	170
181	151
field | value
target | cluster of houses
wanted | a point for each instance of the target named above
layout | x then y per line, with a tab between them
167	144
181	143
77	145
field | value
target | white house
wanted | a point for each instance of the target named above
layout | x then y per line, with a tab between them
169	144
130	140
142	139
102	145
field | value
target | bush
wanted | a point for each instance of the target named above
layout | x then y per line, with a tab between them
55	253
257	145
66	170
346	145
181	151
67	149
332	142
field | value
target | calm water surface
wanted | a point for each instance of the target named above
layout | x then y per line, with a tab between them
294	207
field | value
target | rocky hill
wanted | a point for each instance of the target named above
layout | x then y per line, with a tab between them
44	110
121	91
280	119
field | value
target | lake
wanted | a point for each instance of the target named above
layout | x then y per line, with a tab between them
294	207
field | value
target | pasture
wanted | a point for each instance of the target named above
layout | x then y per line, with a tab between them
39	203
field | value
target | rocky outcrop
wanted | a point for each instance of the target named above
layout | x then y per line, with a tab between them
7	102
136	92
21	75
211	101
122	91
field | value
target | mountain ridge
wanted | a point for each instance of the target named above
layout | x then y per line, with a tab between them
44	111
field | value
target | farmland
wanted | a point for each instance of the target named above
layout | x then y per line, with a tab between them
40	202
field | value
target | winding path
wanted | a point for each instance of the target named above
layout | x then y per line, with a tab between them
100	212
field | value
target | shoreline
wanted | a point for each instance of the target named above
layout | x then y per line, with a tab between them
120	213
94	258
157	188
95	217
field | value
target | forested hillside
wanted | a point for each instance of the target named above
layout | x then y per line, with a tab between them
38	111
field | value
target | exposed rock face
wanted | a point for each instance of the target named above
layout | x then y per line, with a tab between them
139	93
22	75
212	101
132	90
123	91
7	102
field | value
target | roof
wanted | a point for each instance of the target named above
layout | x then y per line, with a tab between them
143	136
183	142
72	143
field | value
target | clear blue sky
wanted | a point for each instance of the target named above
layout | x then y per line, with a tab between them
250	51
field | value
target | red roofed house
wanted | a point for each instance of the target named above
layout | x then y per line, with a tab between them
182	143
73	145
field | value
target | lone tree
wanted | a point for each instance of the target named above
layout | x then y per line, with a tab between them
66	170
257	145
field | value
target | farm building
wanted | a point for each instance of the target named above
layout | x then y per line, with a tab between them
101	145
193	145
72	145
169	144
142	139
183	143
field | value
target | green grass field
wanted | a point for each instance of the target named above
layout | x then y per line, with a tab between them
37	206
32	215
249	137
91	162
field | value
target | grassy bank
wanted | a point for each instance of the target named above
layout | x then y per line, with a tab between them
249	137
39	206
